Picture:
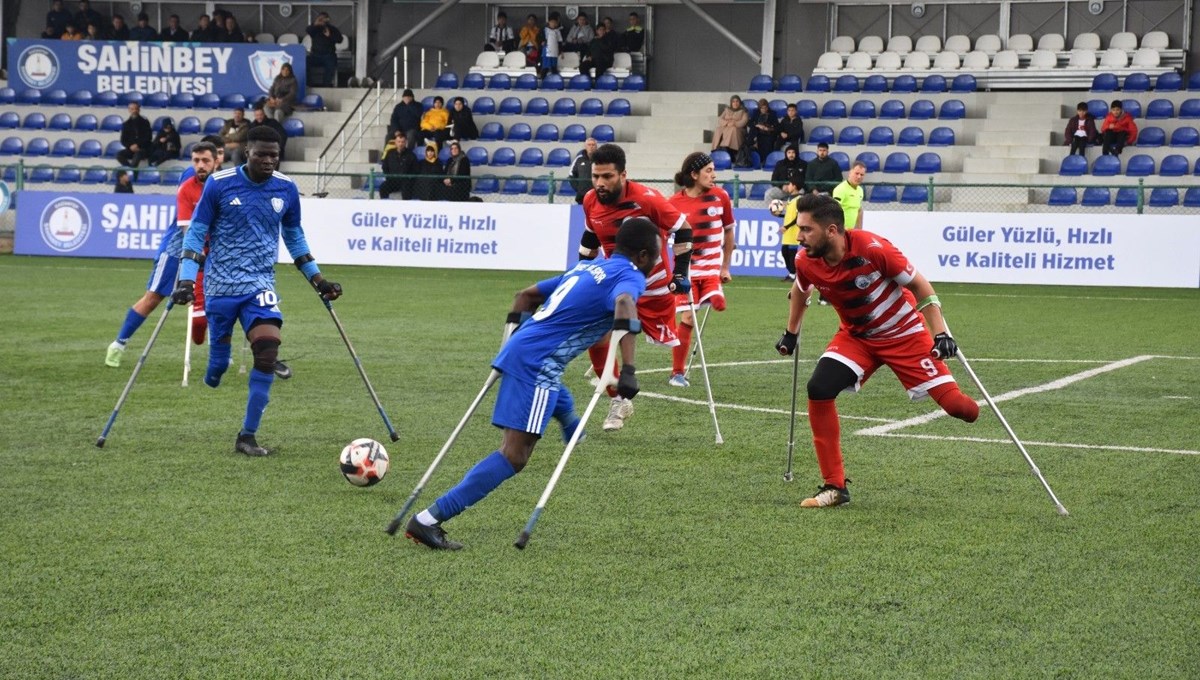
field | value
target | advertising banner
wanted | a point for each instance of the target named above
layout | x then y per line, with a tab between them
150	67
91	225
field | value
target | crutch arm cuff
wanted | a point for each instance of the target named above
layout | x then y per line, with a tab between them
192	255
307	266
631	325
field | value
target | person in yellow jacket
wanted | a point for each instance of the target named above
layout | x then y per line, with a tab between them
789	243
435	123
850	194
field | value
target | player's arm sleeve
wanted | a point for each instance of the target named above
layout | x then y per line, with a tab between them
197	233
633	286
546	286
893	263
293	237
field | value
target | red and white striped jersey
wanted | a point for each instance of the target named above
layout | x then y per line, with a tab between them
866	287
711	215
186	198
638	201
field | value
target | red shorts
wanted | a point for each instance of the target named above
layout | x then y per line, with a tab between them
705	291
908	357
657	314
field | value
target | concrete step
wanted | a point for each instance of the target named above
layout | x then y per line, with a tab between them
1005	138
1034	107
973	164
673	135
1012	151
1014	126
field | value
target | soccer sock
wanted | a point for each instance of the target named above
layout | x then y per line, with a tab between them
679	353
827	440
598	353
218	362
564	407
133	321
479	481
256	401
954	402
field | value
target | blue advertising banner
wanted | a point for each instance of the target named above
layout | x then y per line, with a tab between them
151	67
91	225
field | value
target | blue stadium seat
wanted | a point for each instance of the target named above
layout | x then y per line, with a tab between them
1126	198
112	123
491	132
94	176
510	106
447	81
1104	82
1190	108
7	95
863	109
870	159
1193	81
952	109
1096	196
964	82
41	173
86	122
1185	137
146	177
806	108
1159	109
558	158
208	101
189	125
503	156
778	107
619	107
1191	198
526	81
515	185
581	83
183	100
29	96
933	83
59	121
1173	165
1133	107
1151	137
1098	108
846	83
604	133
1140	165
1105	166
10	174
127	98
552	81
606	83
158	123
499	81
90	148
883	193
65	148
834	108
941	136
483	106
762	83
10	120
233	101
1168	81
821	133
477	155
427	102
740	192
911	136
211	126
539	187
187	150
574	133
113	148
473	81
850	135
293	127
1073	166
38	146
904	84
758	191
487	185
591	107
170	177
928	163
34	121
789	82
915	194
563	106
531	157
897	162
817	83
546	132
721	160
875	83
1063	196
633	83
922	109
892	109
881	136
1164	197
565	189
773	158
842	159
538	106
11	146
80	98
1136	82
109	99
160	100
519	132
68	175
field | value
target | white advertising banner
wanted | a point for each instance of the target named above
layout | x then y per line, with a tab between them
1058	249
436	234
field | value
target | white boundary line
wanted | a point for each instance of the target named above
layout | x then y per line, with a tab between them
984	440
742	407
763	362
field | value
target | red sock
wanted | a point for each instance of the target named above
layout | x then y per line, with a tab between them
598	353
679	353
827	440
954	402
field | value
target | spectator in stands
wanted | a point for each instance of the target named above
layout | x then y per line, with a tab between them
406	117
458	186
94	33
823	173
58	18
86	15
730	133
143	30
435	123
233	137
72	33
501	38
135	138
233	32
398	159
530	35
762	131
427	185
581	169
173	32
49	33
119	30
611	35
791	128
325	38
551	44
850	194
1118	129
1081	130
634	36
599	53
124	183
166	144
204	30
462	121
789	171
580	35
218	24
281	98
260	117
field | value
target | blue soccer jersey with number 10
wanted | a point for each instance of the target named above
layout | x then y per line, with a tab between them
578	311
242	222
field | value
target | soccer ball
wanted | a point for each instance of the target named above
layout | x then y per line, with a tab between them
777	207
364	462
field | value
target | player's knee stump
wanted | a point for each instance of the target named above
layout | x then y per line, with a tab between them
266	351
718	303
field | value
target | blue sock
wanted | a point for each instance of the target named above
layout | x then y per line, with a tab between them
479	481
218	362
564	413
133	321
256	401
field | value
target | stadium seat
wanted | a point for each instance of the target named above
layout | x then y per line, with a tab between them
863	109
211	126
933	83
85	122
106	99
94	176
546	132
447	81
499	81
34	121
1173	165
605	83
941	136
911	136
38	146
881	136
633	83
922	109
574	133
1191	198
531	157
80	98
1082	59
773	158
1140	165
158	100
565	189
1106	166
1190	108
897	162
875	83
591	107
526	82
563	106
758	191
806	108
146	177
477	155
233	101
63	148
740	192
870	159
552	81
473	81
821	133
1127	198
483	106
580	83
1151	137
293	127
882	193
503	156
29	96
851	135
112	123
953	109
558	158
59	121
12	146
721	160
183	100
1063	196
1096	196
7	95
189	125
487	185
1160	109
538	106
789	82
915	194
1193	82
515	185
892	109
90	148
519	132
491	132
917	62
846	83
208	101
1104	82
928	163
1073	166
509	106
1098	108
964	82
539	187
10	120
604	133
817	83
619	107
1185	137
68	175
834	108
158	123
1133	107
41	173
113	148
762	83
1169	81
1110	59
778	107
1136	82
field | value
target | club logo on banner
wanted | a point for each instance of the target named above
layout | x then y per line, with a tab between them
266	65
65	224
38	67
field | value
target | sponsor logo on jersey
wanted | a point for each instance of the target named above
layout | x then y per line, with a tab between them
236	201
861	282
39	67
277	204
65	224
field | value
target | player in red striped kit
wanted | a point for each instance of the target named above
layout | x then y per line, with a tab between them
708	210
890	316
612	200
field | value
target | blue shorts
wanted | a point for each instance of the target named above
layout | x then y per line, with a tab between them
524	407
166	264
246	309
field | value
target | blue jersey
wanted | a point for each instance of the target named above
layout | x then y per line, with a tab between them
578	311
242	222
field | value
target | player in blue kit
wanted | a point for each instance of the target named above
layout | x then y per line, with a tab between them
576	309
241	214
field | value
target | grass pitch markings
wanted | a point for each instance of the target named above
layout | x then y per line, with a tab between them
1063	445
743	407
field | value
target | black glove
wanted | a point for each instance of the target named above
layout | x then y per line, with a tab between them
944	346
329	290
184	293
627	385
680	284
786	344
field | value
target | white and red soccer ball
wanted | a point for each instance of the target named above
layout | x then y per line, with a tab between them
364	462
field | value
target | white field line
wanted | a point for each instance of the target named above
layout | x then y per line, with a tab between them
984	440
763	362
742	407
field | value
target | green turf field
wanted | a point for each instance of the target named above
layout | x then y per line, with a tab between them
166	555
